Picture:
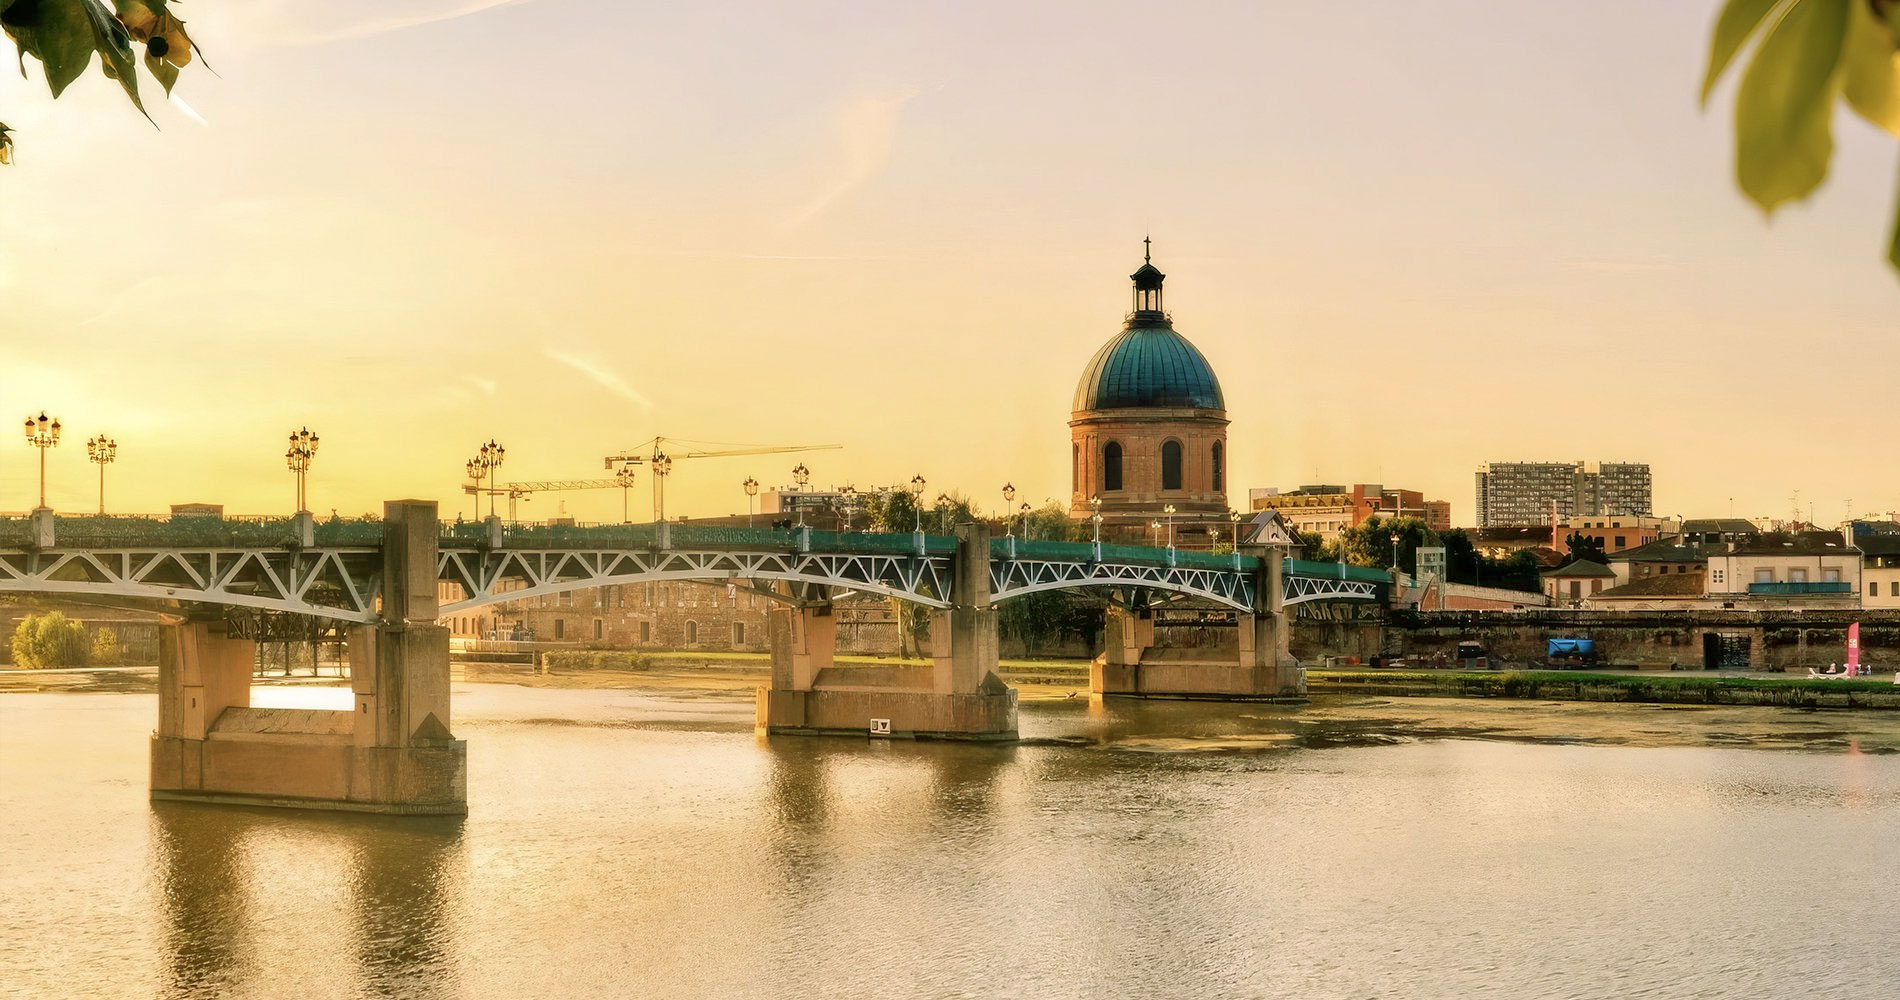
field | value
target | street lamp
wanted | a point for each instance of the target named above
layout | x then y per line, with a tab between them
474	469
42	433
1095	516
1156	525
751	496
1233	517
917	498
1009	497
943	507
486	461
800	476
102	451
1025	513
624	476
846	496
1169	510
297	458
662	467
1395	550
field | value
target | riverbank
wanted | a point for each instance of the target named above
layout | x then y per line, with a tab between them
1571	685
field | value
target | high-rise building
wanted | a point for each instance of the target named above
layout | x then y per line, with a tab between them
1515	493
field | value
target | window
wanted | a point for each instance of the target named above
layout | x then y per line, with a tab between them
1112	466
1220	473
1831	575
1619	541
646	631
1896	589
1171	465
738	633
1075	467
1873	589
597	630
1576	588
1715	576
692	631
560	628
1764	575
1798	574
567	598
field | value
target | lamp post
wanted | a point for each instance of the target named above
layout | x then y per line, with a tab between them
1395	551
846	496
751	496
624	477
917	499
487	460
1095	517
1024	510
1169	510
943	507
474	469
1233	517
297	458
1156	525
800	476
102	451
1009	497
662	467
42	433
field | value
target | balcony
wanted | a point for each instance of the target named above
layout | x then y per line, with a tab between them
1801	589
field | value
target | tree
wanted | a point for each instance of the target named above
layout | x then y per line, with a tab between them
50	640
105	647
1809	52
1307	544
64	34
1584	548
1465	564
1370	543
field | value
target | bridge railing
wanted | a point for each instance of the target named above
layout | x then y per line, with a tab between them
1335	571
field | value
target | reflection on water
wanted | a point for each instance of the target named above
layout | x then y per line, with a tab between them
228	879
621	844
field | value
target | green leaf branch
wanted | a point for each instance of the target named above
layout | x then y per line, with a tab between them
65	34
1807	54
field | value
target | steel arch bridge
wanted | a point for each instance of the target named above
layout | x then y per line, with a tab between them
148	560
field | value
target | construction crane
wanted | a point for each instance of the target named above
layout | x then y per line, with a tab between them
515	491
653	455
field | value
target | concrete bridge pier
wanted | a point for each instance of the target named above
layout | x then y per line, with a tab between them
958	696
1259	666
392	752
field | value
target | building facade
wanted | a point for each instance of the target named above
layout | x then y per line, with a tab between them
1615	533
1512	493
1328	511
1148	428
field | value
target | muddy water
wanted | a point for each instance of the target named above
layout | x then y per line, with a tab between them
641	843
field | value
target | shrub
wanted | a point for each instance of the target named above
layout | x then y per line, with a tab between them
595	660
105	647
50	640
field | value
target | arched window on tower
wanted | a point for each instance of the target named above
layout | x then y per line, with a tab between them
1112	466
1219	472
1171	465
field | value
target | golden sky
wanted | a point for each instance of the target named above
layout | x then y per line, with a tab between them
1410	237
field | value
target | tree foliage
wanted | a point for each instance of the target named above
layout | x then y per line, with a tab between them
65	34
1585	548
1807	54
50	640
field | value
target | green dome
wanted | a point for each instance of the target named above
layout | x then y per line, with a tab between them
1148	365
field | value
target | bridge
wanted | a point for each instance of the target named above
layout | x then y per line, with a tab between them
390	581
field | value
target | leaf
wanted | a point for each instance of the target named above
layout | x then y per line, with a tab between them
1893	252
6	142
1738	20
115	50
56	32
1871	69
1783	137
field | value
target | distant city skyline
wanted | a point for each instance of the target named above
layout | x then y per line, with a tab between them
1399	234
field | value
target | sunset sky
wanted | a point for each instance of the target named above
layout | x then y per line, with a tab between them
1410	238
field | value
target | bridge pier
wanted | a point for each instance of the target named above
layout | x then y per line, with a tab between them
1259	668
392	753
958	696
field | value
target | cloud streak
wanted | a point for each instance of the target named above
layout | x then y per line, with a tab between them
603	376
291	25
866	130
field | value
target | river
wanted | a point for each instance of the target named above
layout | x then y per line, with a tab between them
628	843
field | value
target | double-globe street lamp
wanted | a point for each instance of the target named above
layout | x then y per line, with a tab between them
847	497
662	467
297	458
751	498
917	499
102	451
1009	498
42	432
1169	510
1095	517
800	477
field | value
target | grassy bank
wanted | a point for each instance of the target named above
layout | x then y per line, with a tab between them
1569	685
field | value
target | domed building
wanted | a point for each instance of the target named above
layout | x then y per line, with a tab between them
1149	425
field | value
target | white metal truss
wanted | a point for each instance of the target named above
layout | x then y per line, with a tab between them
1016	577
338	583
1301	589
493	576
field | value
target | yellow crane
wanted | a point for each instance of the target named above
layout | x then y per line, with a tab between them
653	455
515	491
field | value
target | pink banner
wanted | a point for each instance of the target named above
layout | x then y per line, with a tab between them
1853	649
